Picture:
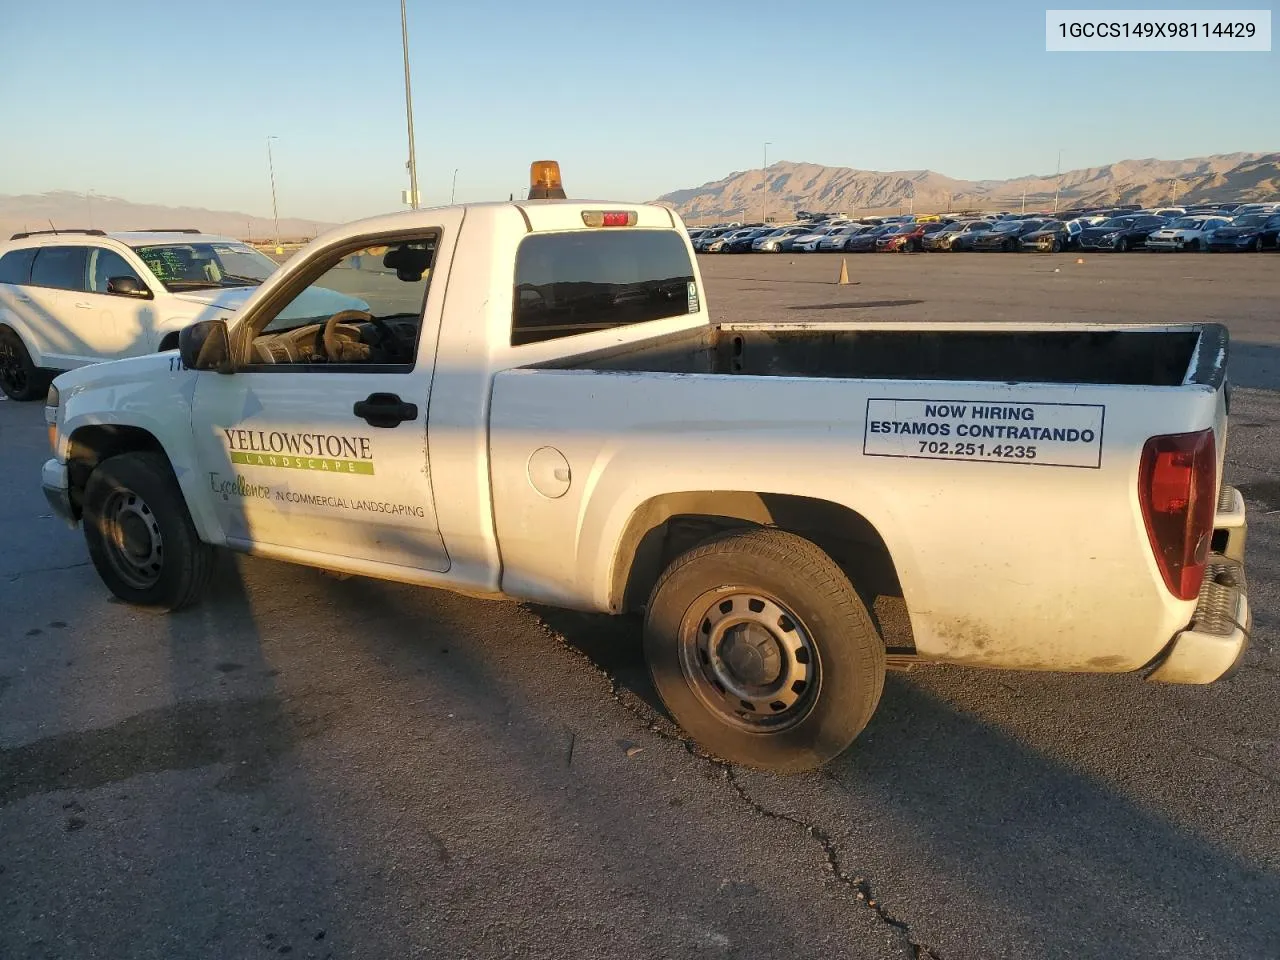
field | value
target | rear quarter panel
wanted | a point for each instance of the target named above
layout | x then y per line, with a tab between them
1008	564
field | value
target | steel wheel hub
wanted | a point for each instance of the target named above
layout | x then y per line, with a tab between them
133	542
749	659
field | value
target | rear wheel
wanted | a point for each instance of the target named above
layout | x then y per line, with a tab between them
20	379
762	650
140	535
1257	244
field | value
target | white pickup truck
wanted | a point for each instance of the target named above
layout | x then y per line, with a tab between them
535	405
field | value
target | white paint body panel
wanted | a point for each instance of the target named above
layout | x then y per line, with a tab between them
1002	563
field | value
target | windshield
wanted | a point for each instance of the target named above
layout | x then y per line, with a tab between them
1005	226
1117	222
1250	220
1187	223
203	266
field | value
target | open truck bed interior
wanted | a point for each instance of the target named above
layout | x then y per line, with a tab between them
1139	357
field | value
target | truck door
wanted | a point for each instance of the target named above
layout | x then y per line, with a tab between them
316	445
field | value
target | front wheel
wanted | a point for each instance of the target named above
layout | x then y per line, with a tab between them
20	379
140	535
762	650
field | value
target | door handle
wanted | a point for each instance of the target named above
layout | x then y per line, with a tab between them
384	410
22	299
84	306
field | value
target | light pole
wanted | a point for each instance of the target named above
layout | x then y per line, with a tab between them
408	110
766	154
1058	186
454	189
271	166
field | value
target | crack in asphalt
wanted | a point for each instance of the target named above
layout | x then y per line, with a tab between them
860	887
14	577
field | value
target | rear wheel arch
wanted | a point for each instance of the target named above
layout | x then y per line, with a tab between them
663	527
168	342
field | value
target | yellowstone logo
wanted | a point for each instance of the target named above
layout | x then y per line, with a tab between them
327	452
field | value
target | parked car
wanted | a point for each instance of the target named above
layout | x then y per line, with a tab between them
945	238
836	239
78	297
808	242
865	242
741	242
773	242
904	238
707	237
1054	237
1005	236
1253	231
1187	233
1121	233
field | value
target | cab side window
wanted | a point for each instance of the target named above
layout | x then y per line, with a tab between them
105	264
62	268
15	266
364	312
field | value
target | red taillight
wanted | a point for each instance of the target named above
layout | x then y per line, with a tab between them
1176	489
609	218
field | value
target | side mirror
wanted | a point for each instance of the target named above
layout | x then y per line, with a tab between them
128	287
205	345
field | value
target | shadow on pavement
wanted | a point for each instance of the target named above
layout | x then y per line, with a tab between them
1087	868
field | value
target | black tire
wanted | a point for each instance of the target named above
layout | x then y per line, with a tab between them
1123	245
788	593
1056	246
1257	244
20	379
134	496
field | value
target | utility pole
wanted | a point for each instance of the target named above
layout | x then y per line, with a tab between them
454	189
766	154
1024	198
271	166
1058	187
408	109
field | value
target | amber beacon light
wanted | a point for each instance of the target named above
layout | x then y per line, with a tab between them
544	181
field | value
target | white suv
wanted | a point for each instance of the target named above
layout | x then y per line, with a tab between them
71	298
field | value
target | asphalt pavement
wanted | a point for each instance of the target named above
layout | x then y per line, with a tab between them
320	767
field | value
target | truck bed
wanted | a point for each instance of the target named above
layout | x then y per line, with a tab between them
1146	356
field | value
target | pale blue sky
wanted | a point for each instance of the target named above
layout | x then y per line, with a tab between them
171	102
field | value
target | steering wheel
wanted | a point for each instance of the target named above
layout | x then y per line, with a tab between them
337	350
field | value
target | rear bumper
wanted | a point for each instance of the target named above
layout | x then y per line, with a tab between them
1214	643
57	490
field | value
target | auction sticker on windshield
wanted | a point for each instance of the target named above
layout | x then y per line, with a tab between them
1043	434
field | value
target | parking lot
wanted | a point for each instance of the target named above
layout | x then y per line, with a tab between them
321	767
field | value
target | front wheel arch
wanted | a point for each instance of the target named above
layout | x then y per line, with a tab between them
89	446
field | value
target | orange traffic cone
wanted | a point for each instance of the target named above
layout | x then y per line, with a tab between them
844	272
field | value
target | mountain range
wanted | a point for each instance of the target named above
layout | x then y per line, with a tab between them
777	191
63	209
782	188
